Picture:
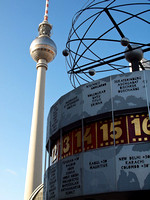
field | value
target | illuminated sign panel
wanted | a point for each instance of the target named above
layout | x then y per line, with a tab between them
104	133
110	133
139	128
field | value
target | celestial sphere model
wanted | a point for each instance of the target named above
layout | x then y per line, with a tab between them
43	50
105	36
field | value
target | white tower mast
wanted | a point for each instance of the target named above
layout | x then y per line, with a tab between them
42	50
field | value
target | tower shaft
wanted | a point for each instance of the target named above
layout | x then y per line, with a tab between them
34	166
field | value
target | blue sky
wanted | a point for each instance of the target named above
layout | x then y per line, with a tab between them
19	26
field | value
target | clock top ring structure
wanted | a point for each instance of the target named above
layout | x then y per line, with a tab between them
110	36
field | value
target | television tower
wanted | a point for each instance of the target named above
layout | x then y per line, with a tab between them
43	50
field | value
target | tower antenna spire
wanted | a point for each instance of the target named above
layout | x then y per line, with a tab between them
46	11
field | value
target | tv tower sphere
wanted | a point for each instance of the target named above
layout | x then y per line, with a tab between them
43	47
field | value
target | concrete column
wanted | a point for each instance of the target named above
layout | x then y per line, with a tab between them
34	166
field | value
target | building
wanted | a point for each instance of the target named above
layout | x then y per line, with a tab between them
98	140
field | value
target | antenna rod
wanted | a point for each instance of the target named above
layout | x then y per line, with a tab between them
46	11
